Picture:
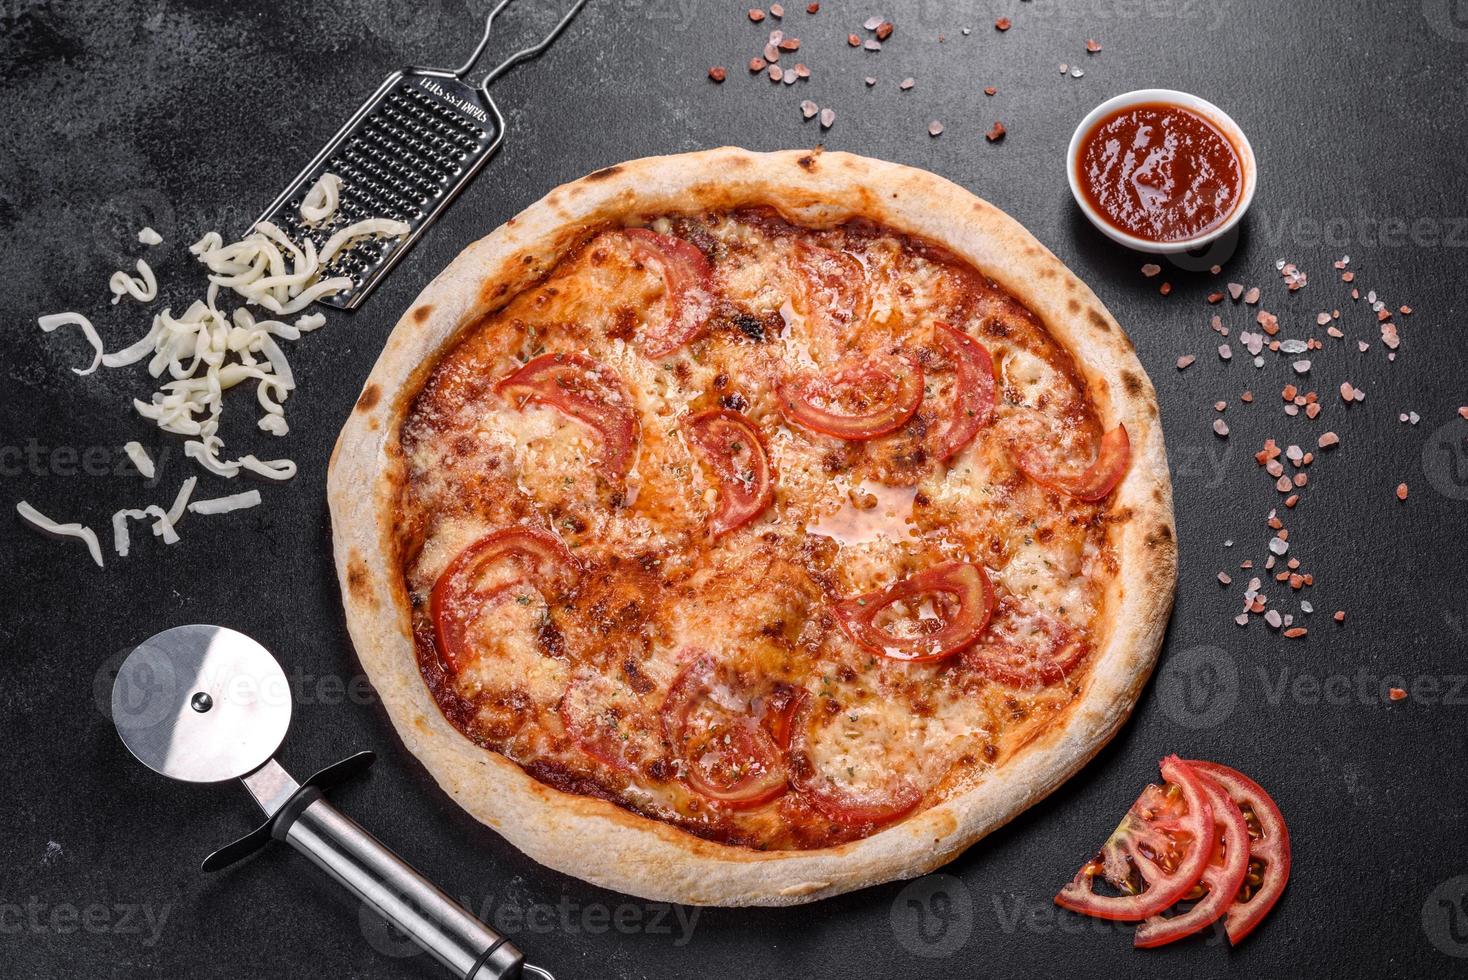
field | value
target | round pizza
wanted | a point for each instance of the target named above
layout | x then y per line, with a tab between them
736	528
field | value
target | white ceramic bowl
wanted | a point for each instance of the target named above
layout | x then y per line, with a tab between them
1202	107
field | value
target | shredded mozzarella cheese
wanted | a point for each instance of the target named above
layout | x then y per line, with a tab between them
206	351
140	458
165	522
71	530
143	287
321	201
121	541
370	228
223	505
185	491
51	321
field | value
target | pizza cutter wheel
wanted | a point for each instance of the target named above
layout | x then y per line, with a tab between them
204	704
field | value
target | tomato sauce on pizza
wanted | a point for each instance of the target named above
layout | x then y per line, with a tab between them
776	534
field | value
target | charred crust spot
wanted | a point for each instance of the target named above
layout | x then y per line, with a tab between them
359	581
421	314
807	162
1161	537
1072	306
604	173
369	397
1097	320
1132	383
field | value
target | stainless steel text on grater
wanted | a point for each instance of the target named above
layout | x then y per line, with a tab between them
405	154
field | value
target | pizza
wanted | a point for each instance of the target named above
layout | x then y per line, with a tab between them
736	528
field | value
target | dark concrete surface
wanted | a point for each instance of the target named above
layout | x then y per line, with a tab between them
191	115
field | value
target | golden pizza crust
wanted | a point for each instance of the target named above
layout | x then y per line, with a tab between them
603	843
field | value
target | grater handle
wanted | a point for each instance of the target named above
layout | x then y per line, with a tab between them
468	66
524	54
385	882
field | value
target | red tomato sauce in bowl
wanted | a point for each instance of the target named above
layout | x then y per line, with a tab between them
1160	172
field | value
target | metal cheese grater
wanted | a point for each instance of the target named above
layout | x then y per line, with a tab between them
205	704
405	154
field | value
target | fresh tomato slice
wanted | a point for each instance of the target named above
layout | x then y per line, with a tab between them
608	722
461	592
687	278
1155	855
1222	875
867	806
776	711
733	449
727	755
856	402
589	392
1026	647
1269	849
939	611
835	286
973	391
1112	458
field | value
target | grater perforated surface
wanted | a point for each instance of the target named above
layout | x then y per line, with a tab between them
404	155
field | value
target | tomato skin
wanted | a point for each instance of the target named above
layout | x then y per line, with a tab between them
732	760
1002	655
967	582
587	391
454	601
835	803
1271	847
1224	873
734	450
973	406
1165	819
798	398
1113	456
835	286
687	277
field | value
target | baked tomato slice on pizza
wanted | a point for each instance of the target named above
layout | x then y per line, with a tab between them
740	528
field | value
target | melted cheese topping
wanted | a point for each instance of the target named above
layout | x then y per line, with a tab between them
573	684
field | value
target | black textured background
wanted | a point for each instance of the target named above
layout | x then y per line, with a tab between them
191	115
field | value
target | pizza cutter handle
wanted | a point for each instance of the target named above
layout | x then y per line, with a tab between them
339	846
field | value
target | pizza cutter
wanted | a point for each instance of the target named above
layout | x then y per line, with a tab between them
204	704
